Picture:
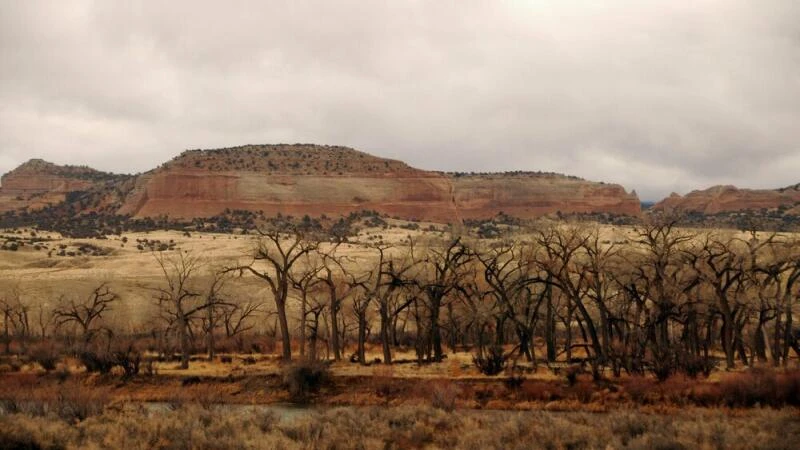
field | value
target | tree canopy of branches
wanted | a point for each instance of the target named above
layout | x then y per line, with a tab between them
87	313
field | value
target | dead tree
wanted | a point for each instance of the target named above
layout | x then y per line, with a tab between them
305	281
332	275
516	287
392	272
215	303
441	273
181	299
15	316
86	313
281	253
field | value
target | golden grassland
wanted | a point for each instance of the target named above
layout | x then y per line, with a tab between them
44	276
405	405
206	427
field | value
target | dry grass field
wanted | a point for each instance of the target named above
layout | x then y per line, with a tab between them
409	404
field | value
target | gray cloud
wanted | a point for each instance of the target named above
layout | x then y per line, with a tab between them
659	96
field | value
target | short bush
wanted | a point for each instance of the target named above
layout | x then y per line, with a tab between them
493	363
444	395
45	357
101	362
305	378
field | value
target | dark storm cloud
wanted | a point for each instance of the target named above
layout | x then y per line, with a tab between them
658	96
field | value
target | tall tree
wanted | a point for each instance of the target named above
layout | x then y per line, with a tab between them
280	252
181	298
442	272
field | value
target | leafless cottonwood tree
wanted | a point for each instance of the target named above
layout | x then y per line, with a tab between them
562	248
87	313
392	272
306	281
181	298
280	252
333	275
15	316
215	305
237	317
516	285
442	272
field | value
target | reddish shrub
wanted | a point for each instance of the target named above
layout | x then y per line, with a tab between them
754	387
540	391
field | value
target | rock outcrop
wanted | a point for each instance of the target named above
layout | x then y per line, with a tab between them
38	183
334	181
289	179
726	199
535	194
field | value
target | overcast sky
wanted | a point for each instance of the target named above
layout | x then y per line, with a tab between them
659	96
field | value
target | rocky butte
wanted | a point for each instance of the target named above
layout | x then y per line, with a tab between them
38	183
311	179
725	199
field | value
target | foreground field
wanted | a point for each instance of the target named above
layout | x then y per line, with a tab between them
191	426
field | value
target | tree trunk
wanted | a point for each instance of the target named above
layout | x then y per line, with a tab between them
728	345
337	349
210	334
777	352
362	337
436	334
183	329
524	342
788	339
386	343
285	336
303	306
550	330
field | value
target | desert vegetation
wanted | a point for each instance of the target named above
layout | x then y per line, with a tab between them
195	426
661	300
545	316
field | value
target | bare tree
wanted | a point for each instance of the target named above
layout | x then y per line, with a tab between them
281	253
333	275
14	315
86	313
441	273
181	299
305	281
393	273
214	302
516	286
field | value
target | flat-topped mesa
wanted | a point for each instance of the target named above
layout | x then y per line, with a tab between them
289	179
533	194
291	159
726	199
310	179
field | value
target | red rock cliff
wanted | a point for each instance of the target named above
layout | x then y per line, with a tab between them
315	180
38	183
720	199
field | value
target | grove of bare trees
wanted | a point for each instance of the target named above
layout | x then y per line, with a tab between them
663	299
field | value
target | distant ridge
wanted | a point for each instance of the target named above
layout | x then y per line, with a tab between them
308	179
728	199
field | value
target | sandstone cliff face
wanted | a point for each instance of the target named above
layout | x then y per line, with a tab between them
534	195
294	180
316	180
721	199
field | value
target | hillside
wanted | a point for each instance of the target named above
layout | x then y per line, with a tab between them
305	179
728	199
38	183
529	194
